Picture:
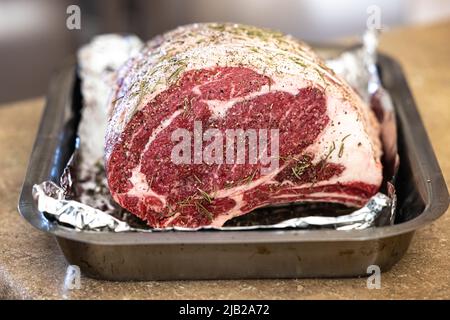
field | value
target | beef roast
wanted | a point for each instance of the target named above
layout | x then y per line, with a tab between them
321	140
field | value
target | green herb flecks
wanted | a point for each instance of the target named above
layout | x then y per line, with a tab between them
323	162
186	202
197	178
142	92
151	182
287	158
201	208
174	76
249	178
117	99
300	167
322	77
298	61
206	196
229	185
341	148
330	151
171	212
218	27
249	31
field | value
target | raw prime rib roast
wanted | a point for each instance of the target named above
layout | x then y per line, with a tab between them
242	78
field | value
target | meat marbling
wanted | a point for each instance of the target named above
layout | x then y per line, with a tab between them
228	76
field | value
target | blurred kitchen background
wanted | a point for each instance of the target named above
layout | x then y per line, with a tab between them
34	39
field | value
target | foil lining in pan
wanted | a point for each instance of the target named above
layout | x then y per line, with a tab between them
52	199
82	200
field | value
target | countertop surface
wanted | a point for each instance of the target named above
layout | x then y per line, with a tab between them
32	267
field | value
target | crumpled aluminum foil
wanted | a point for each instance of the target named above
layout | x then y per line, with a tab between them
51	199
95	210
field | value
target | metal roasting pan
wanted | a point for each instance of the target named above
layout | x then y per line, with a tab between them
421	189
